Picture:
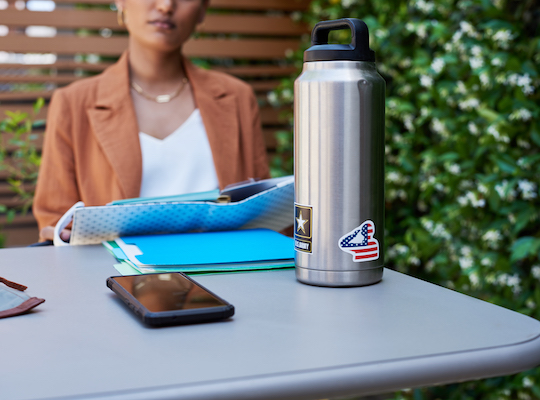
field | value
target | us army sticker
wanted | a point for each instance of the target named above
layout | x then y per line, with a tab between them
302	228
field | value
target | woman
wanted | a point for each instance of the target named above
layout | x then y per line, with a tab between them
152	124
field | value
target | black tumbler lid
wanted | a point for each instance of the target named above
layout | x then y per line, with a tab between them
357	50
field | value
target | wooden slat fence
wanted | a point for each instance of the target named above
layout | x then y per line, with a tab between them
250	39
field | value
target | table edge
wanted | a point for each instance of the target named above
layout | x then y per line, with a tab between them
341	381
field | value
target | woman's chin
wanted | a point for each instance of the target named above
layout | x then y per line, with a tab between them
163	44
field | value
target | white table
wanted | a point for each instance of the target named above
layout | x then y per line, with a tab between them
287	340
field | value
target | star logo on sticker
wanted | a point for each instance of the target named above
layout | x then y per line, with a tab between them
300	222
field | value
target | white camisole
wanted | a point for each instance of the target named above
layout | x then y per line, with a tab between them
180	163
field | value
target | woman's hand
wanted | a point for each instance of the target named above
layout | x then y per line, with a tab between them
47	233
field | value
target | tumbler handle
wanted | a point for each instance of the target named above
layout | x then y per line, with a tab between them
359	31
358	49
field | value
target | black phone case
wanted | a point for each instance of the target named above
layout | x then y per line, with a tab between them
177	317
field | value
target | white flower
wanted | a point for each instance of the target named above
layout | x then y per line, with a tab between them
437	125
437	65
402	249
473	128
454	169
347	3
457	36
535	271
524	80
512	79
466	251
528	90
424	6
485	79
527	382
414	260
476	62
469	104
426	81
272	98
465	262
492	238
381	34
474	279
287	94
427	224
505	190
405	90
393	177
530	304
466	27
476	51
408	121
528	189
472	199
486	262
522	163
497	62
503	37
462	200
522	114
421	31
512	281
483	188
493	131
436	230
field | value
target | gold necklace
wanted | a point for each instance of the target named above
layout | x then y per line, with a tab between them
162	98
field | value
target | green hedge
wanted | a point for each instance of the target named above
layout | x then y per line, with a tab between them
462	159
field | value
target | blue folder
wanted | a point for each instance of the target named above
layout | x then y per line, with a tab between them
223	250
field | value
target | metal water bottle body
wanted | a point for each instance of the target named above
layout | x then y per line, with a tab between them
339	173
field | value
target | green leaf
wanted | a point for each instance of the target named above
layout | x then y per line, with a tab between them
524	247
38	105
535	136
10	216
488	114
506	166
522	219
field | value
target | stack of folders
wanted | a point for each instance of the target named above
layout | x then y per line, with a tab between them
203	252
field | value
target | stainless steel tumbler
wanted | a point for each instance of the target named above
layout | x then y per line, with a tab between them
339	161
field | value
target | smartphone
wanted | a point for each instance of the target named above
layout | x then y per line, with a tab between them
169	299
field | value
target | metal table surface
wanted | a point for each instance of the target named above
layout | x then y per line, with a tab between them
287	340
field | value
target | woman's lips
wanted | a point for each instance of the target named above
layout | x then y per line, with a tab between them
163	24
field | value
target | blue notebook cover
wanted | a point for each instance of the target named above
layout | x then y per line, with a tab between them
204	248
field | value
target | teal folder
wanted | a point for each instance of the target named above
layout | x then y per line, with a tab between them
216	251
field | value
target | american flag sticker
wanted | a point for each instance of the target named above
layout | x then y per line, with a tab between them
361	243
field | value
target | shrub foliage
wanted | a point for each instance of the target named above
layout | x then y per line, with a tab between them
462	159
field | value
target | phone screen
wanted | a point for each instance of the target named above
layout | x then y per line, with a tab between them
168	292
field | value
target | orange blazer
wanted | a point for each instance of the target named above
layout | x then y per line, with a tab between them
92	151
